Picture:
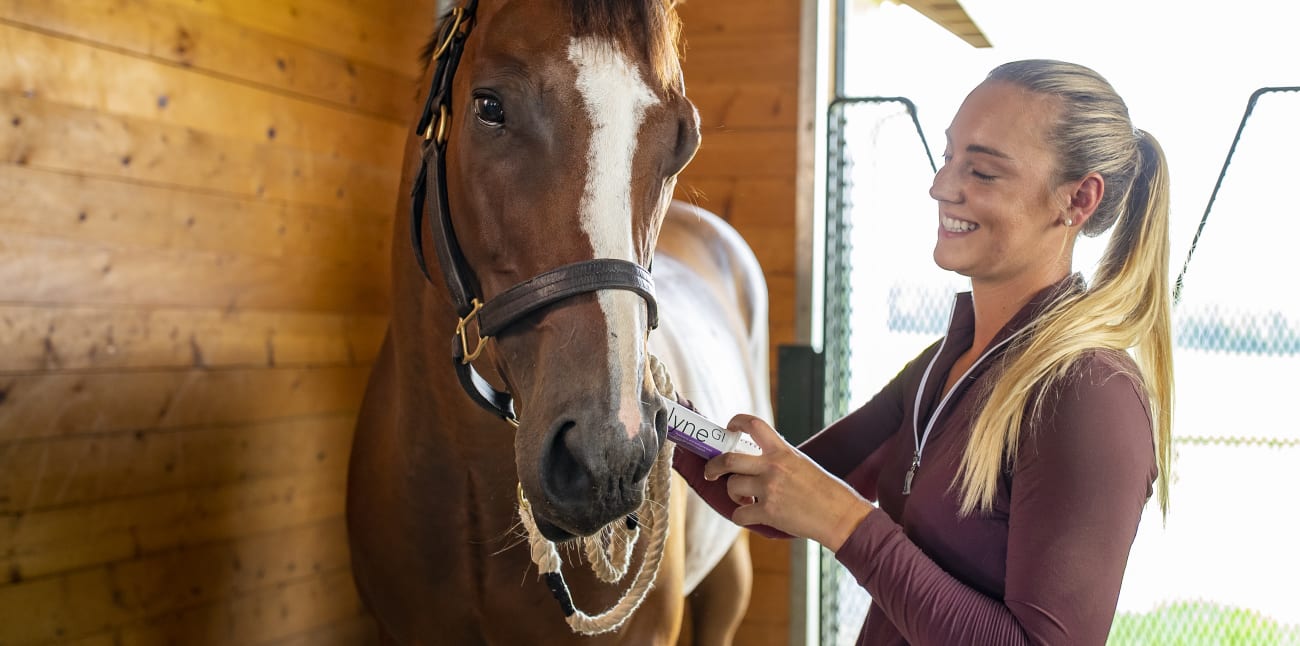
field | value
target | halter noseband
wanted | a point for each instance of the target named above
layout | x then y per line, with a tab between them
508	307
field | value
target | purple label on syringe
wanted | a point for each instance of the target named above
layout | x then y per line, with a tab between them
691	444
700	436
693	431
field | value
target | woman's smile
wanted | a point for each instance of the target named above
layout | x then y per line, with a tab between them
956	226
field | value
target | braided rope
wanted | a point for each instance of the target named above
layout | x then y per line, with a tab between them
610	550
547	559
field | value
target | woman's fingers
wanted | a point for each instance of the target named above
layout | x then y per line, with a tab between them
743	490
726	463
763	434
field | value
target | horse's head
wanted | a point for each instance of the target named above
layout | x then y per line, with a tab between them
568	127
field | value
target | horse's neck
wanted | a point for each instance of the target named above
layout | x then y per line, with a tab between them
431	397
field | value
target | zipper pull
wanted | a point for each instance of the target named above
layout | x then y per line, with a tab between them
911	473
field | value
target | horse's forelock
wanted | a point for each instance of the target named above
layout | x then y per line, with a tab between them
629	22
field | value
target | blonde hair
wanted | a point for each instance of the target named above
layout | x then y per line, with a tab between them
1128	305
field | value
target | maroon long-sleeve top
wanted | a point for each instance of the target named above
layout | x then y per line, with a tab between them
1045	565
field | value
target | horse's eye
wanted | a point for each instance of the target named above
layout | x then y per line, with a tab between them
489	111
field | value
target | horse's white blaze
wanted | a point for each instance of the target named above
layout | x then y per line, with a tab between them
616	99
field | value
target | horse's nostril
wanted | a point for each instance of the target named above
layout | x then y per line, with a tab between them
565	477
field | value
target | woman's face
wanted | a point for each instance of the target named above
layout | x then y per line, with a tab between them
1000	206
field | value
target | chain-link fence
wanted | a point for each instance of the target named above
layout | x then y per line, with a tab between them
1223	568
882	307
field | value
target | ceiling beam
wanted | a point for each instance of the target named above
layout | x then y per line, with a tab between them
951	16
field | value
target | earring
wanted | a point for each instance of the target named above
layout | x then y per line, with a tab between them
1069	222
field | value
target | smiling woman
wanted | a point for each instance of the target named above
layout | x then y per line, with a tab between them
1012	459
997	183
1234	318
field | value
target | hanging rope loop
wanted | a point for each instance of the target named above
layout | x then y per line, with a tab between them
612	549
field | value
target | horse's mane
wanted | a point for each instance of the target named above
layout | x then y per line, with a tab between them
628	22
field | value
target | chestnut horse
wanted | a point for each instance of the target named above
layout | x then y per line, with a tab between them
543	170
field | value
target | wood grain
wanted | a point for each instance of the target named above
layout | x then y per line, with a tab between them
762	201
754	21
42	474
739	58
37	338
387	34
78	75
744	153
359	630
35	546
126	213
53	136
177	581
53	271
765	106
188	37
264	615
64	404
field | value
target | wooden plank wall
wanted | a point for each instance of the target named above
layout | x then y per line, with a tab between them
741	62
196	200
195	209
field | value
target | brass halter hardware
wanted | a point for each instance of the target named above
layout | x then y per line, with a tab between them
438	136
464	341
457	15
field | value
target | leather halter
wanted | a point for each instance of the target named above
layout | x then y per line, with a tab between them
508	307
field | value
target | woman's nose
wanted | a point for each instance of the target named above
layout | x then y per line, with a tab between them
942	189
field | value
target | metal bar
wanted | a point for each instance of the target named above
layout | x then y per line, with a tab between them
1250	107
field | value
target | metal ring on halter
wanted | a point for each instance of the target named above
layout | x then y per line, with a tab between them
439	136
460	332
457	15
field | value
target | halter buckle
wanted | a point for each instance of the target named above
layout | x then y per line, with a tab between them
460	332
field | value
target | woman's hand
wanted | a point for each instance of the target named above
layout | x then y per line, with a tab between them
786	490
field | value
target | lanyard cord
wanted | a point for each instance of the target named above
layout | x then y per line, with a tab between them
919	439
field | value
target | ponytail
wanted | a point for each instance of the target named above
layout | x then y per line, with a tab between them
1127	307
1144	268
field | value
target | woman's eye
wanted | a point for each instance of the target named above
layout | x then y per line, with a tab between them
489	111
981	176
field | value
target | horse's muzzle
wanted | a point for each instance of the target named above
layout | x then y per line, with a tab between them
592	473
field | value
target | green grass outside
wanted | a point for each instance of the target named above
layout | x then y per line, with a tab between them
1200	623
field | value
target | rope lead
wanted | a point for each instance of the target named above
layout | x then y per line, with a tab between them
609	551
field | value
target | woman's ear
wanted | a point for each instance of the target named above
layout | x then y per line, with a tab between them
1084	198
